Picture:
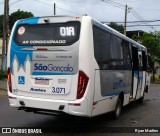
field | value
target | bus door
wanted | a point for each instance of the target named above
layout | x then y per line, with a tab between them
140	74
143	72
135	71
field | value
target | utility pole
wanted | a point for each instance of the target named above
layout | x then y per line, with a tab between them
54	8
5	34
4	37
7	25
125	20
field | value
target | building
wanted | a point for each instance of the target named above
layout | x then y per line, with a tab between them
135	32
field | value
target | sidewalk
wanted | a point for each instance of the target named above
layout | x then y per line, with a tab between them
3	84
3	87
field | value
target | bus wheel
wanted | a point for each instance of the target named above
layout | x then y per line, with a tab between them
118	108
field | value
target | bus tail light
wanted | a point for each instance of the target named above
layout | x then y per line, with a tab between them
9	80
82	84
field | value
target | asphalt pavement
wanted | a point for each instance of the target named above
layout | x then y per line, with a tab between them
134	115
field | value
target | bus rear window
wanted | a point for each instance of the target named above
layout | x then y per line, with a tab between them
57	34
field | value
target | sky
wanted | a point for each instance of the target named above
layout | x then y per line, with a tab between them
145	11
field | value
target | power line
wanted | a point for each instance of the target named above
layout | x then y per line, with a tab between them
76	2
139	17
57	7
15	2
68	11
147	9
115	4
142	25
11	3
131	21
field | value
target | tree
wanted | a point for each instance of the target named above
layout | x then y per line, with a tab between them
18	15
152	42
13	18
117	27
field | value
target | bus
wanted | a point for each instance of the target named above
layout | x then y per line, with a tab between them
73	65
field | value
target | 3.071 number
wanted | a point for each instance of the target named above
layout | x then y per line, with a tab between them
58	90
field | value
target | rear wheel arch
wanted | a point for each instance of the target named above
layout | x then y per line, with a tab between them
121	96
146	89
118	106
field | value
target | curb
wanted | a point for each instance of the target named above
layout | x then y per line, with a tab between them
3	89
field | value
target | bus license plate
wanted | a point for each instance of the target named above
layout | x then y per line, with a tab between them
42	81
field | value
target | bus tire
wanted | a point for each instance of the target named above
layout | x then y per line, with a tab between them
118	109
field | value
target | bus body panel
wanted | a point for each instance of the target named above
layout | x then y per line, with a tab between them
31	93
86	62
32	69
50	104
135	84
109	84
31	85
141	84
112	83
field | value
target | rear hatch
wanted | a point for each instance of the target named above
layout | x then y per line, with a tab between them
44	57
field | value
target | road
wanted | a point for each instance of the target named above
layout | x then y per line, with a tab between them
133	115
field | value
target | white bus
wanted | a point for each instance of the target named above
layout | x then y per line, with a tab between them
73	65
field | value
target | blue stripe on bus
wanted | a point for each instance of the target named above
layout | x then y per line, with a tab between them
48	73
115	93
16	50
21	55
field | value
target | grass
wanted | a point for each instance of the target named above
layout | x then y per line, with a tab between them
3	74
157	76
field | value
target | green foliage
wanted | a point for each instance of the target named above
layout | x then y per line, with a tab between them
152	42
117	27
18	15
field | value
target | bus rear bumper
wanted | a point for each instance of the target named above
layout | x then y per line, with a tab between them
77	107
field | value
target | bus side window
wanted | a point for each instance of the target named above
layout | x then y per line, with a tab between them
144	60
135	65
102	41
126	55
116	53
